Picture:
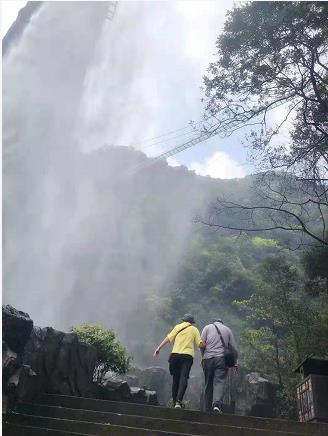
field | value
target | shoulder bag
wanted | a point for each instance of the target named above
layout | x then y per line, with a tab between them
229	356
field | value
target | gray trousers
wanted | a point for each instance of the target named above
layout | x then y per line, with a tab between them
215	373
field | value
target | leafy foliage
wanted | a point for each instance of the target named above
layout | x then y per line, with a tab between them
286	67
315	263
263	242
283	326
264	294
284	71
215	271
111	355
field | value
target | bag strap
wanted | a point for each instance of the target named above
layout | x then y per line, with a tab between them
183	328
220	334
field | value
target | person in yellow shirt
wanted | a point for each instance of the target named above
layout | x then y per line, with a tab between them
186	336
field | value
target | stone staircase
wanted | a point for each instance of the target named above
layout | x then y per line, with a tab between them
58	415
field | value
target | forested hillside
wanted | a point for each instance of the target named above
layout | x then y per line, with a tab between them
278	311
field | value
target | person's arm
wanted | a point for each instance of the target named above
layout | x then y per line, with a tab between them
198	340
161	345
204	335
169	338
203	339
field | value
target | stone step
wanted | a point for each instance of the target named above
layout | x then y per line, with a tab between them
10	429
88	428
125	408
168	425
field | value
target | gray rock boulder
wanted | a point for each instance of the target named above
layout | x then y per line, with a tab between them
16	328
260	396
11	362
155	379
194	392
115	388
253	394
16	377
63	364
144	396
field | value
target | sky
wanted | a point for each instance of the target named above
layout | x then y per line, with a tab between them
9	11
179	43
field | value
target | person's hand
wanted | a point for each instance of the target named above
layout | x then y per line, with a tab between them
156	352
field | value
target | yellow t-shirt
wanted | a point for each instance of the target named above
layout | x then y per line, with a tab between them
186	340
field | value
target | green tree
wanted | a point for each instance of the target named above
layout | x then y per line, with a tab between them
315	262
285	66
111	355
274	55
215	271
283	327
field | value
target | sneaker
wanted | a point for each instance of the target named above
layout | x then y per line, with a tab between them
178	405
217	409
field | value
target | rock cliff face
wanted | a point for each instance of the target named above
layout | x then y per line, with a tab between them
44	360
39	360
63	364
17	378
16	328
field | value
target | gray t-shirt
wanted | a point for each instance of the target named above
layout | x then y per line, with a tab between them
213	343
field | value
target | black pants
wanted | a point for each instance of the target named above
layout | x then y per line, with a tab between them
215	373
180	365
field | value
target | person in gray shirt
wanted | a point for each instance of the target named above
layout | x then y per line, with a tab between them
215	370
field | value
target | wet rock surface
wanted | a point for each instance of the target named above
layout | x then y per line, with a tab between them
116	389
44	360
64	365
16	377
16	328
36	360
260	396
144	396
153	378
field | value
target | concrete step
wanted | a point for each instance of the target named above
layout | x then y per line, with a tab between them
167	425
9	429
125	408
88	428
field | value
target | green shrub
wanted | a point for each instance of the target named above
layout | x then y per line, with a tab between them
264	242
111	355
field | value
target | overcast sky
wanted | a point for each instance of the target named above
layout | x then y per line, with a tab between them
9	11
178	47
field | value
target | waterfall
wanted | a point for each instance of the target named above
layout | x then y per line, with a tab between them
80	245
43	81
